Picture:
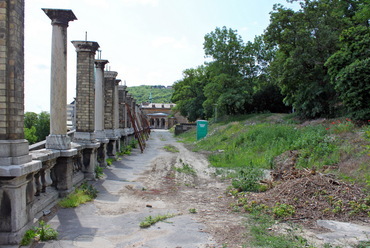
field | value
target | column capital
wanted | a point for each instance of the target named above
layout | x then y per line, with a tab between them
100	63
110	74
117	81
85	46
60	16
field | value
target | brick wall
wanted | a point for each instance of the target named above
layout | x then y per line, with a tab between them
11	69
109	86
85	92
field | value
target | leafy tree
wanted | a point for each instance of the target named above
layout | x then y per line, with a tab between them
30	119
36	126
305	40
188	93
30	134
231	72
349	69
43	126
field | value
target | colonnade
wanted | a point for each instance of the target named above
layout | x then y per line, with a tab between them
31	181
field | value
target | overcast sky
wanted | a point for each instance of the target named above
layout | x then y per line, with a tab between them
148	42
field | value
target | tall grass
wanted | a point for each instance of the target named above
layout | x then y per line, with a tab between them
237	144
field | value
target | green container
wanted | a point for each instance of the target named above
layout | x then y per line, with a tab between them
202	129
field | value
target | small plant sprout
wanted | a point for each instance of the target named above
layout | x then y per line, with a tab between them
192	210
148	221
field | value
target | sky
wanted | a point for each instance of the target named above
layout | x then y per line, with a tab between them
148	42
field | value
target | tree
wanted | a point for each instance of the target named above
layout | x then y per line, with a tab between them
349	69
188	93
36	126
231	72
43	125
305	39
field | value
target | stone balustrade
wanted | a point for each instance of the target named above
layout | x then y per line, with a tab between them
33	178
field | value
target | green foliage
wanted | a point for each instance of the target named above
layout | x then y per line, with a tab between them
247	179
43	232
30	134
188	93
259	226
305	39
281	210
98	171
133	144
148	221
186	169
171	148
142	94
192	210
349	71
82	194
110	161
36	126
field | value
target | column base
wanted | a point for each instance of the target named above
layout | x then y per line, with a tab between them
58	142
14	152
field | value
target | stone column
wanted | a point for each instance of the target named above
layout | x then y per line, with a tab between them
58	138
110	110
129	102
121	102
85	101
16	165
99	111
99	99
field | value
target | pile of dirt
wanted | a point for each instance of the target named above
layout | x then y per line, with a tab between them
315	196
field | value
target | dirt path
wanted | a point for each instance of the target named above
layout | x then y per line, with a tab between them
147	184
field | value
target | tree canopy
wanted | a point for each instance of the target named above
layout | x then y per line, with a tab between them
314	59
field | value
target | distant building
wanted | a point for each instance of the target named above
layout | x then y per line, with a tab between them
161	116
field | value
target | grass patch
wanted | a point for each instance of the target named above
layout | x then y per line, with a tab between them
171	148
41	233
149	221
260	224
82	194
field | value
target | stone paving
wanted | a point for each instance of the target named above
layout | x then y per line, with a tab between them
85	226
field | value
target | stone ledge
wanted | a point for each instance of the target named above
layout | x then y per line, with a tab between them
44	154
20	170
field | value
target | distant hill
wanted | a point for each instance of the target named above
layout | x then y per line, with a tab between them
160	94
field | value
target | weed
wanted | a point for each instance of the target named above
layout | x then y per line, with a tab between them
98	172
192	210
171	148
247	179
282	210
82	194
43	232
110	161
148	221
133	144
186	168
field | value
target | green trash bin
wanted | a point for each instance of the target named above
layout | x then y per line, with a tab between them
202	129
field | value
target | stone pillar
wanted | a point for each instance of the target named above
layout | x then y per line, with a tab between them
85	102
99	111
16	165
129	103
121	101
110	109
58	138
99	99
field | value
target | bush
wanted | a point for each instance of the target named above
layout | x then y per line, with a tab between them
247	179
44	232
